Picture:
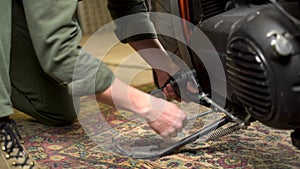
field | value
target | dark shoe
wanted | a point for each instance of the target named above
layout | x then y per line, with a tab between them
12	153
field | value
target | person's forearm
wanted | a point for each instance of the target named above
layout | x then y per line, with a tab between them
155	55
163	117
125	97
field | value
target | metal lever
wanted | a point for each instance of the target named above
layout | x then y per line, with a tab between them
181	78
204	97
155	153
179	82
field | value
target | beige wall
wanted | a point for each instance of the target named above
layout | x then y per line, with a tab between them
92	15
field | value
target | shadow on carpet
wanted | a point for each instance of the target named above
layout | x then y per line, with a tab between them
72	146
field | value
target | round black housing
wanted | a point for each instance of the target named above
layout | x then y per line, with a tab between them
263	67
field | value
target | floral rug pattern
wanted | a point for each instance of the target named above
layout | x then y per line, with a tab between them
70	147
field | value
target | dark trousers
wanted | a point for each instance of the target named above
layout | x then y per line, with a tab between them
32	90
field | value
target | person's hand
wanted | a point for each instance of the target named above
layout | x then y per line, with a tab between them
182	86
168	90
166	119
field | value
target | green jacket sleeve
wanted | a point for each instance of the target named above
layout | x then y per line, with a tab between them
5	44
132	20
56	35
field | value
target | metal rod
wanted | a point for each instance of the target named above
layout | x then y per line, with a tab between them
202	114
204	97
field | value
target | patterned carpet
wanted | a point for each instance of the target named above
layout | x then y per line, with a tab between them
71	147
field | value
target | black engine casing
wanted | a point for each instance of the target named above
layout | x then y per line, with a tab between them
262	61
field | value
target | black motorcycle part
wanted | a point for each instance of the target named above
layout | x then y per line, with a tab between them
156	153
261	58
295	135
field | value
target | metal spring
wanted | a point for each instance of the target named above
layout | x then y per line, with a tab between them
223	132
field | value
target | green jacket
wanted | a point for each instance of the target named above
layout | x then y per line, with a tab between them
56	35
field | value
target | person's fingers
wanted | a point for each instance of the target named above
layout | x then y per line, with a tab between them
168	133
168	90
170	122
184	121
173	132
166	137
181	123
167	94
177	127
192	87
